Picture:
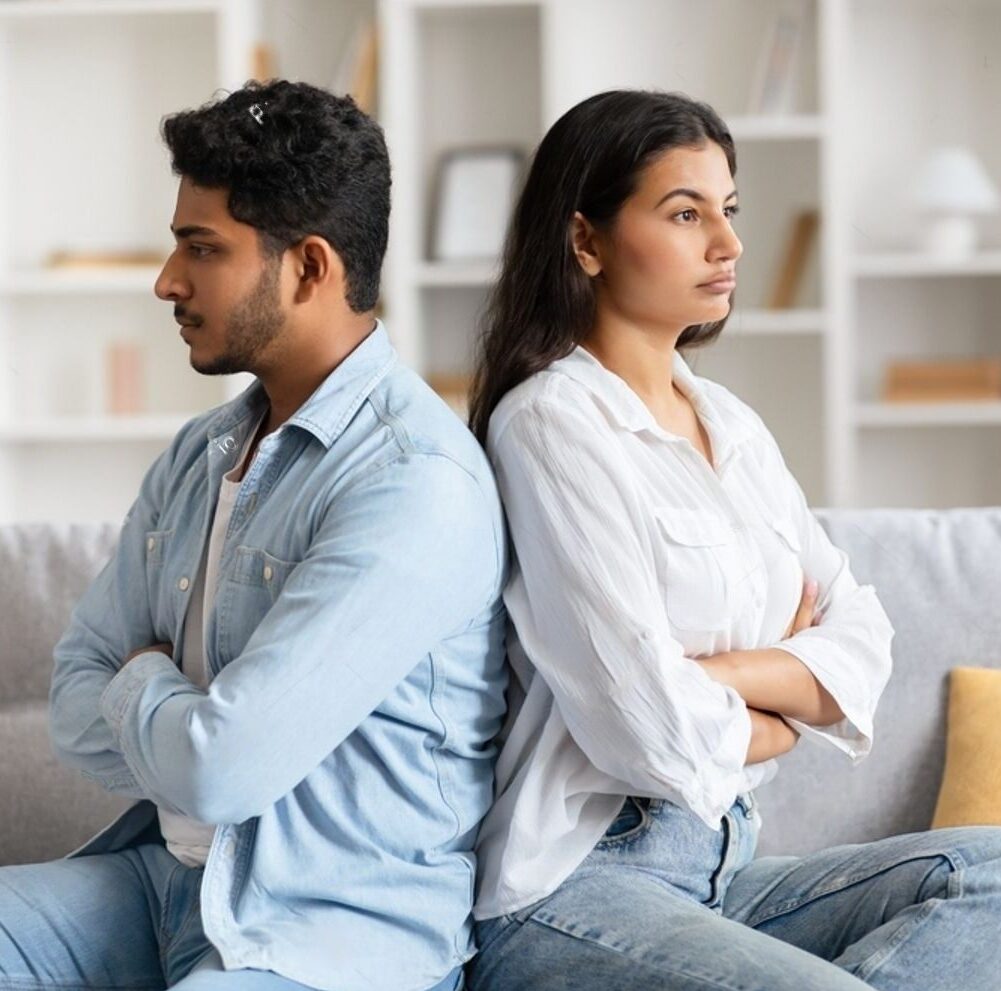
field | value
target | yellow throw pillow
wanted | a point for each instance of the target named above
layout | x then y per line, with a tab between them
971	782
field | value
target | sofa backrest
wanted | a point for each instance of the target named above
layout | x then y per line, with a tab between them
938	575
44	569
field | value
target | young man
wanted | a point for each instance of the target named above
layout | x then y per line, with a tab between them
294	659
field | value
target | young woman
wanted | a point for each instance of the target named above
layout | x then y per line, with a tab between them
679	618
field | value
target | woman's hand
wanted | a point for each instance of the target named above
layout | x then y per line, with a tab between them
805	615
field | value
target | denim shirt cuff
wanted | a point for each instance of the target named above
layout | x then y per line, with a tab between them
127	684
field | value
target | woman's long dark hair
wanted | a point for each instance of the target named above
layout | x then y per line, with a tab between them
590	160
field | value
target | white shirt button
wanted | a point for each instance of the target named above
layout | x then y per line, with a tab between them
229	848
267	572
183	584
151	543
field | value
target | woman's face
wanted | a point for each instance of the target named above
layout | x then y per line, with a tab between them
668	258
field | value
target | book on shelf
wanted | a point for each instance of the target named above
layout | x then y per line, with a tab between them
802	236
103	259
943	380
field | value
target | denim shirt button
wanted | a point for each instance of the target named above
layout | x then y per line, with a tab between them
183	584
267	572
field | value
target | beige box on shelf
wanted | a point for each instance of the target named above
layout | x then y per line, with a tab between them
943	380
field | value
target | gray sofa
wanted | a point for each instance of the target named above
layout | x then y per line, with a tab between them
937	574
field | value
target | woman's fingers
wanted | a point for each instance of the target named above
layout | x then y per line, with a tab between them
805	613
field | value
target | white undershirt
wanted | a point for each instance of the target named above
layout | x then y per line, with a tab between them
188	839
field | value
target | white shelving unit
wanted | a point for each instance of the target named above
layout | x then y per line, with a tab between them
879	84
83	86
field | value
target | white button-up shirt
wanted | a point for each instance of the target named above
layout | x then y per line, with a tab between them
634	556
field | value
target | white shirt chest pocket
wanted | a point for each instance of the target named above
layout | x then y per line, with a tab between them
695	549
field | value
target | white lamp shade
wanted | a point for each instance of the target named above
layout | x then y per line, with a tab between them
952	180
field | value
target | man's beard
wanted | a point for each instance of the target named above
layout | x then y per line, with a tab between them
251	327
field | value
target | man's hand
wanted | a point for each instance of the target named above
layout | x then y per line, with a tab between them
164	648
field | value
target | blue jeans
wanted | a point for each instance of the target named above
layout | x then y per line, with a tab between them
127	920
665	902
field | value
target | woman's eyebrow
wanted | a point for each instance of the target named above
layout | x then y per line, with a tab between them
692	194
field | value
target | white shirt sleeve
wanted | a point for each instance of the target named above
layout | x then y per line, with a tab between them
584	598
849	651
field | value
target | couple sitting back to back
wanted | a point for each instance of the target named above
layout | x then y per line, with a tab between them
379	741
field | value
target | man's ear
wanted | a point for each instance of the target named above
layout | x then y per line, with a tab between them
585	248
316	265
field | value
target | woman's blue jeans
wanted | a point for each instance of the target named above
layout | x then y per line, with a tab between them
665	902
128	920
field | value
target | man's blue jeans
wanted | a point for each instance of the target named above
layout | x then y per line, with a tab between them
665	902
128	920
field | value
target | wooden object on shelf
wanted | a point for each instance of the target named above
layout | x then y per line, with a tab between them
103	259
453	388
263	65
125	378
943	380
802	237
358	73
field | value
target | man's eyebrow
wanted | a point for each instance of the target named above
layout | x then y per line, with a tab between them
191	230
692	194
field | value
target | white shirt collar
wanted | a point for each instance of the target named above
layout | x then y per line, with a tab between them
624	406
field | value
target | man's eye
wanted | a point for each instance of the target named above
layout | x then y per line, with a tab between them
199	251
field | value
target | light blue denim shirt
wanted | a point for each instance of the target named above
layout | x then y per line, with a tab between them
344	744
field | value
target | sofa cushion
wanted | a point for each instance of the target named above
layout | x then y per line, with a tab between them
936	574
44	569
971	782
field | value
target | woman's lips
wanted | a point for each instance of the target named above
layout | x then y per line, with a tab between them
722	286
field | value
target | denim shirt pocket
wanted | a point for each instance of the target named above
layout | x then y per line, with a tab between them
247	593
157	547
696	546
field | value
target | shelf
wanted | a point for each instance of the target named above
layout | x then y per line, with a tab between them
928	414
37	282
471	273
31	9
795	321
907	265
56	430
776	127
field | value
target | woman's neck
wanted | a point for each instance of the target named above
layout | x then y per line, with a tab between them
642	358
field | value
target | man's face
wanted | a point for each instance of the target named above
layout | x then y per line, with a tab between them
226	296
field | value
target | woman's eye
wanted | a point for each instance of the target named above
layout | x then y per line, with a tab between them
685	214
732	211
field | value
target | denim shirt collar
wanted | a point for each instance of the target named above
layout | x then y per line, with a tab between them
335	401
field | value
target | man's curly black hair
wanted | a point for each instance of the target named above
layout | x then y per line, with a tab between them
302	161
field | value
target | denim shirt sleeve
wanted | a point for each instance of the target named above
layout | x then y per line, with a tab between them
404	558
110	621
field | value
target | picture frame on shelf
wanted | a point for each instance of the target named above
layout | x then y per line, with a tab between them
474	193
773	87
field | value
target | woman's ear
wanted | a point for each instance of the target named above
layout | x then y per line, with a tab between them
582	238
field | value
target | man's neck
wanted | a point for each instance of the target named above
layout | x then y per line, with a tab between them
298	373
